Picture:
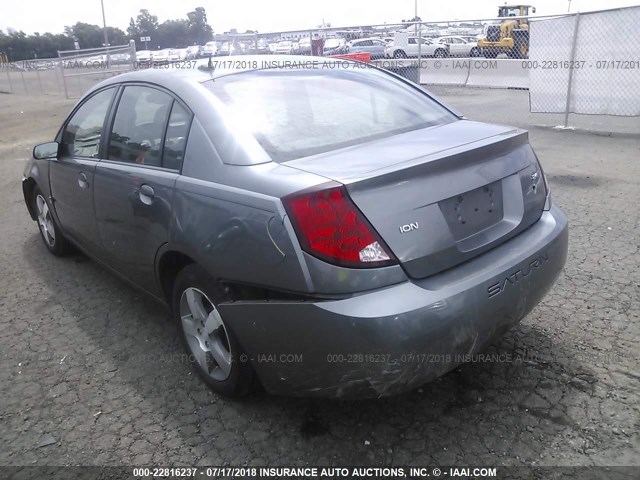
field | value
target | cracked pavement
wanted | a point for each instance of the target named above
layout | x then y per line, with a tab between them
92	372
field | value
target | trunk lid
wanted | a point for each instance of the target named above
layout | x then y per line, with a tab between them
441	195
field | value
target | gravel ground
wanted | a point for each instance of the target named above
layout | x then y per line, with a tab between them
90	371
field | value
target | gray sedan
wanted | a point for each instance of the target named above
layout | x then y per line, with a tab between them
318	226
374	46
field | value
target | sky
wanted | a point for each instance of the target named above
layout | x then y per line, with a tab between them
265	15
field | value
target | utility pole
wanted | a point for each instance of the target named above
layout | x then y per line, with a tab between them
419	35
569	9
106	37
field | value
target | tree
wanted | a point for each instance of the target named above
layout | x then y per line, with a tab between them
20	46
146	23
88	36
116	36
173	34
132	29
200	31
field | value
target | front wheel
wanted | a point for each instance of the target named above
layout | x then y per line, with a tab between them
213	349
440	53
475	52
50	232
399	54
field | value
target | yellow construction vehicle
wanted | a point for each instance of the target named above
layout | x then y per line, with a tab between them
507	35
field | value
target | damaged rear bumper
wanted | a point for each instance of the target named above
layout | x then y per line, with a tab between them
391	340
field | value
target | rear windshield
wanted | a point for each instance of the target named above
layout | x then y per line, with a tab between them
298	113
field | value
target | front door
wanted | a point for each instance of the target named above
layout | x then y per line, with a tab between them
71	175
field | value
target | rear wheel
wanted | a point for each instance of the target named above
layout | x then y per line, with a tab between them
399	54
49	231
213	349
475	52
440	53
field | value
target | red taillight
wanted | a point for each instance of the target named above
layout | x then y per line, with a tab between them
330	227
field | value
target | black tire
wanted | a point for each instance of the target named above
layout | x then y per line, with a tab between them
57	244
440	53
475	52
399	54
241	378
490	53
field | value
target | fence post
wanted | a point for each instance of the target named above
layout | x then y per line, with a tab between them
55	72
64	78
572	59
9	78
418	79
133	59
24	84
39	80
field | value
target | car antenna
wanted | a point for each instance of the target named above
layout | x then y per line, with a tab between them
209	68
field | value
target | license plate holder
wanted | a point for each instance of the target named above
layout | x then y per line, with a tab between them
473	211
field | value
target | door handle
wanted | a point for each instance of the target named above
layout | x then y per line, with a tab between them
83	182
146	194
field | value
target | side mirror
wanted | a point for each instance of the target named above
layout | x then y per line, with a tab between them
533	10
46	151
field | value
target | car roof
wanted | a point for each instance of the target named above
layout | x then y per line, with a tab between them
362	39
197	71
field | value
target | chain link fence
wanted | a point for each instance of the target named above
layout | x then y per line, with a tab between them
573	63
70	74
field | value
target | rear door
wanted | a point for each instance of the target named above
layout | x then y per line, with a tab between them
71	175
134	184
377	50
458	47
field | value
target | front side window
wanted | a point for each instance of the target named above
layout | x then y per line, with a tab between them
139	125
81	137
297	113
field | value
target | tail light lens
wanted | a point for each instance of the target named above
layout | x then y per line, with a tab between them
330	227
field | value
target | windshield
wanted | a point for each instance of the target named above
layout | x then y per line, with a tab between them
333	42
294	114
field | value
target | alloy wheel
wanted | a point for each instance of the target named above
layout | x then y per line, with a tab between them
206	334
45	222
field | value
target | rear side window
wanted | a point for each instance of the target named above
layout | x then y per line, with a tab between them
139	125
298	113
83	132
176	138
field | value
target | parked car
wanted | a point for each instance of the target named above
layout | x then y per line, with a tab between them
374	46
330	231
459	47
119	58
284	47
334	46
223	49
210	49
303	47
404	46
194	52
160	56
470	38
143	56
177	54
